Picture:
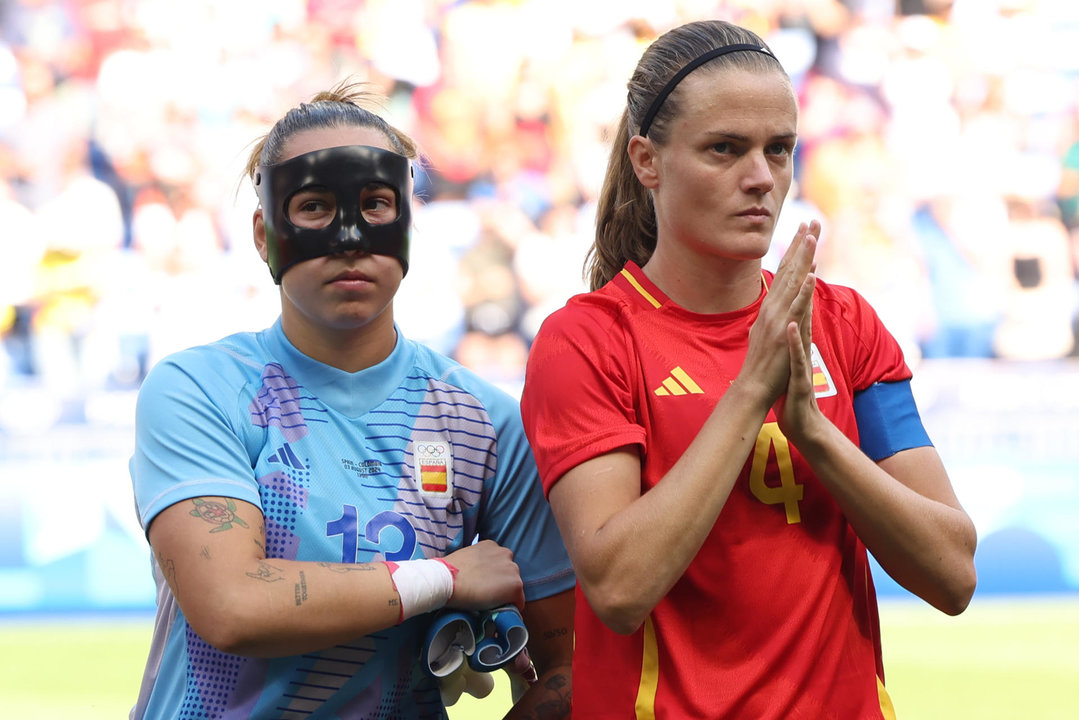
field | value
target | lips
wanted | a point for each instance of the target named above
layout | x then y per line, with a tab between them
351	276
755	212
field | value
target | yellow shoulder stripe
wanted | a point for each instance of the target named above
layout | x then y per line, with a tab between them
644	293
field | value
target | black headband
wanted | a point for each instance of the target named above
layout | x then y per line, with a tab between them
690	67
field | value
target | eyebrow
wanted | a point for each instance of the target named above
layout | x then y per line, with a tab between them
745	138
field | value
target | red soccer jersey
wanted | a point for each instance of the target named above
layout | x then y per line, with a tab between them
776	617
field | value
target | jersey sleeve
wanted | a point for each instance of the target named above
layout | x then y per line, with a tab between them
578	400
185	444
876	354
884	407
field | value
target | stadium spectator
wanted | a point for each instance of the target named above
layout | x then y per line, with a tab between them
899	101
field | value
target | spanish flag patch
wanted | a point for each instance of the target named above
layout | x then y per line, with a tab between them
433	463
822	379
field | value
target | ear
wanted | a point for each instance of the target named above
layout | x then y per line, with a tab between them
259	228
643	157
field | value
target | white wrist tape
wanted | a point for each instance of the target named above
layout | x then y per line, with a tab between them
423	585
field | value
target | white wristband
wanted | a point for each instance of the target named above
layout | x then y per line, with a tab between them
423	585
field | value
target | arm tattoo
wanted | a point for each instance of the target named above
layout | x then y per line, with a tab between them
301	590
266	573
221	515
168	569
555	703
347	568
552	633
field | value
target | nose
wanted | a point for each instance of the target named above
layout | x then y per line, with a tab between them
758	176
350	237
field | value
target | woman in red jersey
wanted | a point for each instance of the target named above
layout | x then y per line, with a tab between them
721	445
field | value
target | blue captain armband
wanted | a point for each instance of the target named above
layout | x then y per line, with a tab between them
888	419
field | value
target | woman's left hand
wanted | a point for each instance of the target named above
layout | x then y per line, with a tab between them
796	410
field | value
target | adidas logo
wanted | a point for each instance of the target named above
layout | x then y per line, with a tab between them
678	383
285	456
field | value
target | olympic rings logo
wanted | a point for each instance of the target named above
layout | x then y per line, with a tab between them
431	449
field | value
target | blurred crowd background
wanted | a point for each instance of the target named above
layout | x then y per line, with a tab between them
939	146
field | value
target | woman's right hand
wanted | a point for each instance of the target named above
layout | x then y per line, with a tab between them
789	299
486	577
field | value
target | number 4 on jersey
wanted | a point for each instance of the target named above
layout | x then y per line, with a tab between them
788	491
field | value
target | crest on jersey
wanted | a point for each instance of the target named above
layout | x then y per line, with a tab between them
433	466
822	379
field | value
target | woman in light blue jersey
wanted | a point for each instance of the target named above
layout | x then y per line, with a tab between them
314	493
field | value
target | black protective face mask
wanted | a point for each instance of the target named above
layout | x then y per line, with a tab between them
345	172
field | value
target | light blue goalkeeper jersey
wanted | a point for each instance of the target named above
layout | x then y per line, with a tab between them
413	458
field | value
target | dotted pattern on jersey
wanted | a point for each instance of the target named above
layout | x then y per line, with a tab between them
421	408
211	679
284	496
279	403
